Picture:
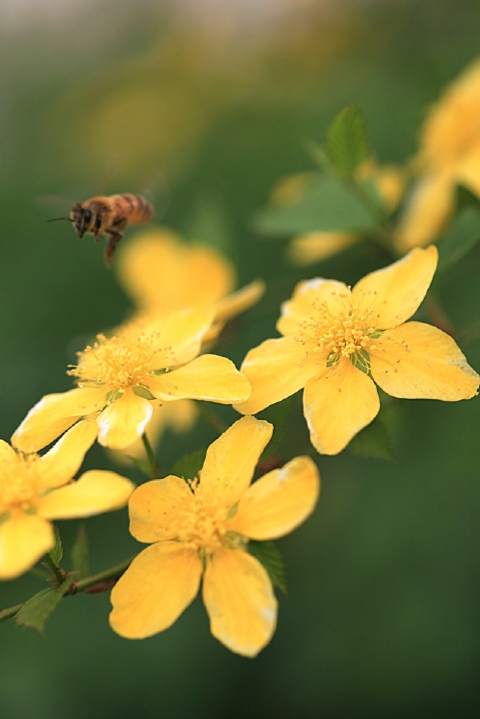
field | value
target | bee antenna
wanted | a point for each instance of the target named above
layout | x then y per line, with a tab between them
54	219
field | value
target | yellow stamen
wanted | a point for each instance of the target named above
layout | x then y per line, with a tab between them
126	360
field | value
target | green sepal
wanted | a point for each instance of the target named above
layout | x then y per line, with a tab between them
56	553
361	360
373	442
462	235
38	608
347	142
144	392
189	466
79	553
271	559
325	204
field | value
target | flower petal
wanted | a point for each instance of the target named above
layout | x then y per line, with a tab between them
239	301
7	453
155	506
158	585
427	212
279	501
337	405
276	369
419	361
394	293
24	539
179	335
158	270
54	414
95	492
307	298
316	246
231	461
240	602
65	458
208	377
124	420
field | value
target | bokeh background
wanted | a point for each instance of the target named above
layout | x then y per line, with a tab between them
208	103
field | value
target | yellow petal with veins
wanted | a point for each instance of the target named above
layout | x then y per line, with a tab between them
178	334
240	602
65	458
95	492
394	293
278	502
208	377
24	539
54	414
417	361
337	405
158	585
308	298
155	506
276	369
231	461
124	420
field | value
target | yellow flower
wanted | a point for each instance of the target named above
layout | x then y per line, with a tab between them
338	340
37	489
389	183
163	274
203	528
449	155
119	378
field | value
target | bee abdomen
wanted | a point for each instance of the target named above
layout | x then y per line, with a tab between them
135	208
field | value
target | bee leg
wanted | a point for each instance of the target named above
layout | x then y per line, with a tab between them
115	235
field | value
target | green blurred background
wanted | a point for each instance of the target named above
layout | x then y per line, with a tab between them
209	102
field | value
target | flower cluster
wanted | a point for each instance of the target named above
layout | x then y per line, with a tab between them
337	343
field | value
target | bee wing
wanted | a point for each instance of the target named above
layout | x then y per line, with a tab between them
53	204
156	189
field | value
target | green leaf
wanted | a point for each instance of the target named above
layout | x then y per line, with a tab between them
278	415
79	553
190	464
270	558
56	553
347	142
373	442
462	235
38	608
326	205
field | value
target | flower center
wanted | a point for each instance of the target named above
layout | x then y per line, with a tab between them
20	483
345	332
202	524
122	361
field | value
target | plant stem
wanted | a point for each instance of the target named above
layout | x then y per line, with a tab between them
152	461
102	580
57	572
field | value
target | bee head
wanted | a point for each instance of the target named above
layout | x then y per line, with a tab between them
81	218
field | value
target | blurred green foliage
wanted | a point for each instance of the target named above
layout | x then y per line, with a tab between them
382	611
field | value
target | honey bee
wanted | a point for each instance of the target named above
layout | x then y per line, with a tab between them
109	215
